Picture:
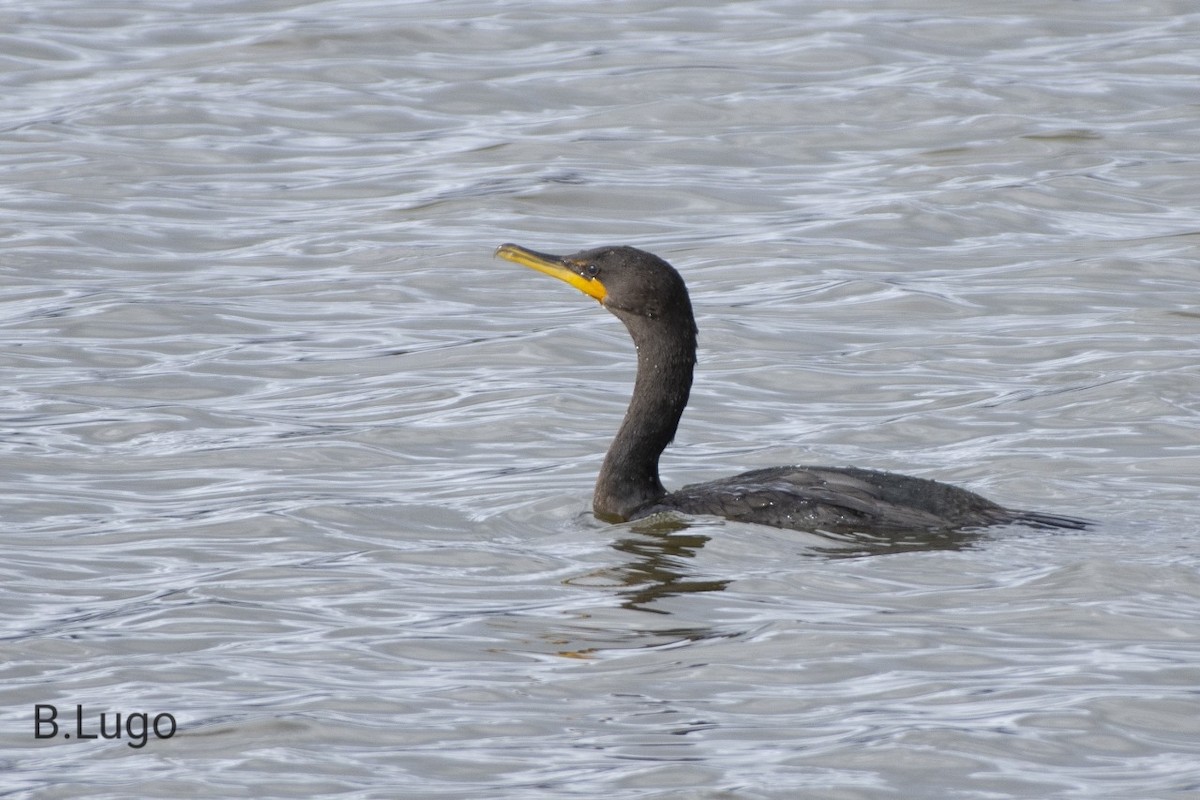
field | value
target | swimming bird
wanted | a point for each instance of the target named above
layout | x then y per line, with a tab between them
649	296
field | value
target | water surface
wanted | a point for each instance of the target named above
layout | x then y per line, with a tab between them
288	456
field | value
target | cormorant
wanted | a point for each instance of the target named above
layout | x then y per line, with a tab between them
649	296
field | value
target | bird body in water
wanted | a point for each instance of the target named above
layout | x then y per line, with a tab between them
649	296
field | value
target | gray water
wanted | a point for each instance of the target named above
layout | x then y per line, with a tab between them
288	456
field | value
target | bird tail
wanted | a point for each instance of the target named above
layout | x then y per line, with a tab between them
1036	519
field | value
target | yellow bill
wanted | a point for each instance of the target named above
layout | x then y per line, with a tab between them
554	266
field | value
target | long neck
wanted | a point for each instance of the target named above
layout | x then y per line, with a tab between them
666	355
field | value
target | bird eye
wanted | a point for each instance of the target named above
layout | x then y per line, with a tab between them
591	270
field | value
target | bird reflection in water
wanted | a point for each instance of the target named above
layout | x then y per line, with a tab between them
664	549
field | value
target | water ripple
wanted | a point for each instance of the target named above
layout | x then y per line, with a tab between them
287	455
